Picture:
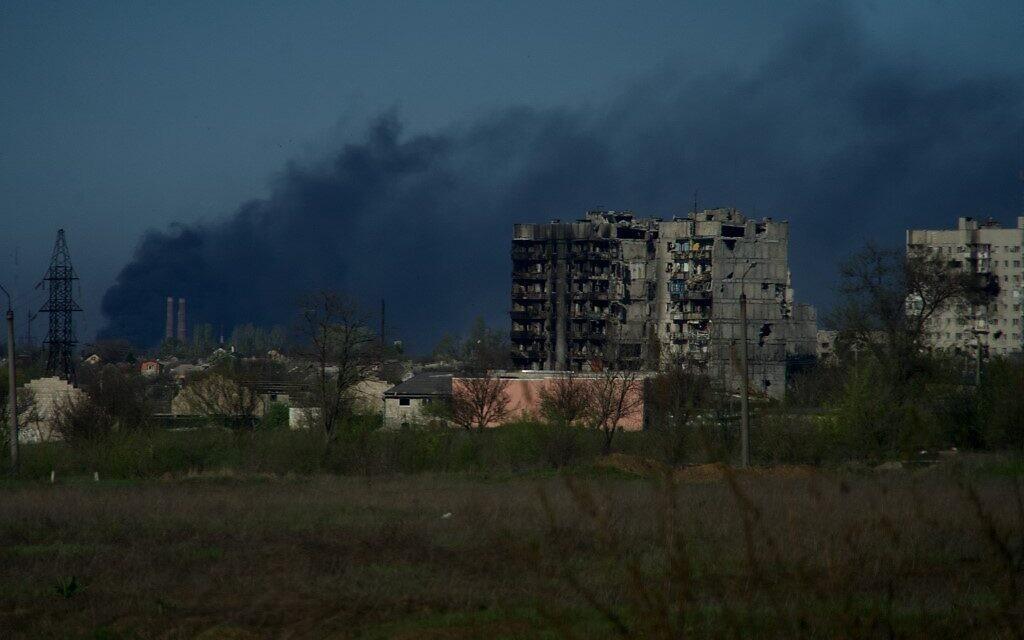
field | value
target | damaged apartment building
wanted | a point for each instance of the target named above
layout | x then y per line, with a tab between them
988	249
616	291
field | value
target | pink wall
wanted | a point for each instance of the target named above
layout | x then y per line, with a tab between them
524	400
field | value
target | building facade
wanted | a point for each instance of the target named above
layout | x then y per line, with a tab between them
615	291
987	248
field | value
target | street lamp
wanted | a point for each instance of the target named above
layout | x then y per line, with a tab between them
12	394
745	391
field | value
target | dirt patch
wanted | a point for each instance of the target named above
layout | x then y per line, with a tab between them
633	465
712	472
716	471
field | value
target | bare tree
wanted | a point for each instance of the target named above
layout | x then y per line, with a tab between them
614	394
336	337
676	398
479	401
614	397
226	393
28	413
888	300
113	398
565	399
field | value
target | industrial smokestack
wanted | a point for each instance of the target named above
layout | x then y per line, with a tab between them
169	327
181	319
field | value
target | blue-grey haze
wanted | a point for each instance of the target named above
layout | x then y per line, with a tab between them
237	153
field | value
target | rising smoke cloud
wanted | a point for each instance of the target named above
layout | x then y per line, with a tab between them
843	141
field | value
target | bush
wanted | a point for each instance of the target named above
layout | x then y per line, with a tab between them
114	399
1001	405
275	417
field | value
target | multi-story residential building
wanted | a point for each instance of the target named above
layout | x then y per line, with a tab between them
982	247
614	290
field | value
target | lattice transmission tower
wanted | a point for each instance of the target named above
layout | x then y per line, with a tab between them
61	307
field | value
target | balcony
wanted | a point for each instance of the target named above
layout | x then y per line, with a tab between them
524	294
528	314
530	275
526	336
596	336
594	255
528	253
691	295
590	295
532	353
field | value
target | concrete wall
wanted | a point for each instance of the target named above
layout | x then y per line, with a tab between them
397	414
525	398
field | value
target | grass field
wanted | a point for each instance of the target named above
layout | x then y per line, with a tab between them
785	553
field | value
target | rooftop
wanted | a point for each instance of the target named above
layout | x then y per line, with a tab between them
431	383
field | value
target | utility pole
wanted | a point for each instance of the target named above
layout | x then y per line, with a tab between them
383	328
977	361
745	392
12	382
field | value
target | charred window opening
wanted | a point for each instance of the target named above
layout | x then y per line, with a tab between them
732	231
766	330
730	244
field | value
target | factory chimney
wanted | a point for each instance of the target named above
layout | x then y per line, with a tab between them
181	320
169	327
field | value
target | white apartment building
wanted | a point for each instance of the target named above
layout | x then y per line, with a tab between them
983	247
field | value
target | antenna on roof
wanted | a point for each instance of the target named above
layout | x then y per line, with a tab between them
695	192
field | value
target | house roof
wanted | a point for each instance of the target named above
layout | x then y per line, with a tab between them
423	384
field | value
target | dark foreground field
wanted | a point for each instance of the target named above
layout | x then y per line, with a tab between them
789	553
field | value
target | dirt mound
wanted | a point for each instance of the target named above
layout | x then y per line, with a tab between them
634	465
716	471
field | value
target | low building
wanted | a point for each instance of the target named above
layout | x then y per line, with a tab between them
49	395
525	390
217	395
368	396
826	345
150	368
405	402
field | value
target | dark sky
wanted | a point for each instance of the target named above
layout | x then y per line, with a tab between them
240	152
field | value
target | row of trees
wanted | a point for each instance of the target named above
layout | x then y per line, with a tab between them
245	339
602	401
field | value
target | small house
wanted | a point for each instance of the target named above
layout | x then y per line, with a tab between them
405	402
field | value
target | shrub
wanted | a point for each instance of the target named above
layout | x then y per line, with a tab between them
275	417
1001	405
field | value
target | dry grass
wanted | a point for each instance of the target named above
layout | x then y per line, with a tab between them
783	555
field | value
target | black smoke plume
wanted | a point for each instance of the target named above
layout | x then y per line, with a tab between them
829	133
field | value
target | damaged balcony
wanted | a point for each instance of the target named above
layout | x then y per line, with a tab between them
529	313
520	293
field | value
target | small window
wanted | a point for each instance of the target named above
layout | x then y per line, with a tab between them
403	401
